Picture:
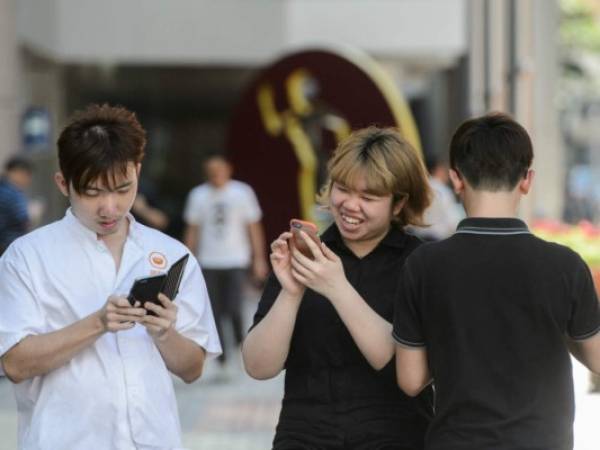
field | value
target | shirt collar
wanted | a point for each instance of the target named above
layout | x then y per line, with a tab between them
492	225
396	237
133	231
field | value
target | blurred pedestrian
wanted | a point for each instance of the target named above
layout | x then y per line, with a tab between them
491	313
90	370
14	216
224	230
327	320
444	213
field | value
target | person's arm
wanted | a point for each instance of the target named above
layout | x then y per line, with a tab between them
190	237
412	370
154	216
256	234
325	275
412	365
267	345
39	354
192	218
260	268
583	329
182	356
587	352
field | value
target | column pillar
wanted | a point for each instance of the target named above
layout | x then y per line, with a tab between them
9	83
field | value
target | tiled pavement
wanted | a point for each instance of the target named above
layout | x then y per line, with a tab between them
229	411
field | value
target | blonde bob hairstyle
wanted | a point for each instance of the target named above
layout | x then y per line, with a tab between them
389	164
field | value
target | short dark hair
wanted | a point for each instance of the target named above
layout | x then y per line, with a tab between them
98	143
18	163
492	152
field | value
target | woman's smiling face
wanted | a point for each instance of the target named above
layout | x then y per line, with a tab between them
362	217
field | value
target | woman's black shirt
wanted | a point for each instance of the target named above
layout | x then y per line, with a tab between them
325	369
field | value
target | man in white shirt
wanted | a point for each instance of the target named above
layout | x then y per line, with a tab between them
223	228
91	371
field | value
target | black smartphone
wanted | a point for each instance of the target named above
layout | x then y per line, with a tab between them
147	289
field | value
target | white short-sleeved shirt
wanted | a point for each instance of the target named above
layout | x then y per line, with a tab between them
223	216
117	393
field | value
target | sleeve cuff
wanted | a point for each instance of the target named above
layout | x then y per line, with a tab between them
8	342
212	347
582	337
406	342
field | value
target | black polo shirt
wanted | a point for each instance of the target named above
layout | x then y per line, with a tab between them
324	365
492	305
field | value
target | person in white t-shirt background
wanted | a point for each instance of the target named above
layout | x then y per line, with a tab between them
89	369
444	213
224	230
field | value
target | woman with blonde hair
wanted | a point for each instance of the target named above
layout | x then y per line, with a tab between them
326	320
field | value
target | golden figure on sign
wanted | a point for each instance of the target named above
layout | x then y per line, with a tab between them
303	124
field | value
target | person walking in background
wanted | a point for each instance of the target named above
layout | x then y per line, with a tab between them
327	320
444	213
90	370
224	230
14	216
491	313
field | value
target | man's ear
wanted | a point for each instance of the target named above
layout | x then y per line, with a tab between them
138	169
527	181
60	181
457	182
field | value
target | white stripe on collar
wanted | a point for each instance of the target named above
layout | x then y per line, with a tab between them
492	231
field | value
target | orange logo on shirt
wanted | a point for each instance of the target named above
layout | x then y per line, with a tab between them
158	260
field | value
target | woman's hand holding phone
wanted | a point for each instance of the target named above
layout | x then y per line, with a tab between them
323	272
281	261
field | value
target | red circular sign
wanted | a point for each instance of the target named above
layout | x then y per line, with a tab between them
291	117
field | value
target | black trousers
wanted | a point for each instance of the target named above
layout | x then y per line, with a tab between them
353	425
225	288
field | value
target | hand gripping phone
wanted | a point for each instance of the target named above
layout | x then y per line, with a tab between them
147	289
310	229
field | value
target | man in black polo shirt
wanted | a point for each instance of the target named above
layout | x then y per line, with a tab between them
491	313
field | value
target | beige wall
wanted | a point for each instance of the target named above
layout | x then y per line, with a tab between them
9	87
533	87
236	32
